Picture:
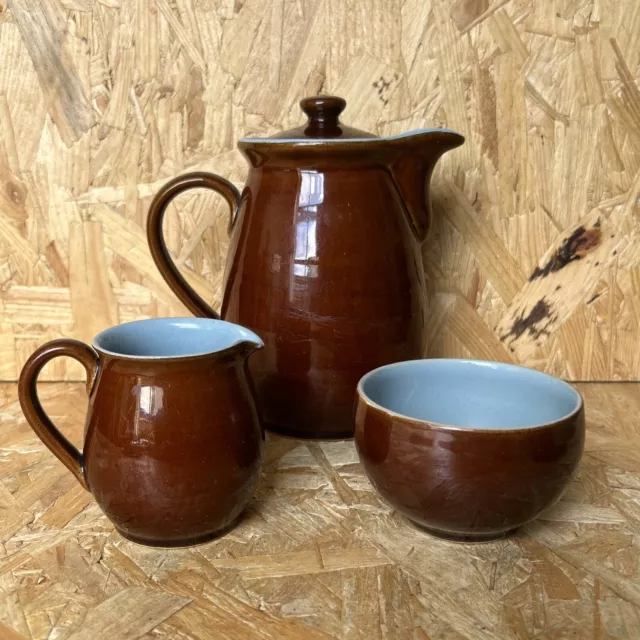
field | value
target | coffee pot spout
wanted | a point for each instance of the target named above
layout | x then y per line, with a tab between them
247	347
412	167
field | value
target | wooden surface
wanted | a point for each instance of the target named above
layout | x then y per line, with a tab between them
318	554
534	255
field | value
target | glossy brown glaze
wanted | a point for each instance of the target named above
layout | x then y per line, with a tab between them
173	447
324	262
467	484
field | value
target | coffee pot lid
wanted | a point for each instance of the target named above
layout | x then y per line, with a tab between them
323	113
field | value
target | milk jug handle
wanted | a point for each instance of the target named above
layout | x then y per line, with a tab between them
39	421
157	245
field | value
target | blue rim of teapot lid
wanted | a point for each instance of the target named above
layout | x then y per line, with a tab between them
323	126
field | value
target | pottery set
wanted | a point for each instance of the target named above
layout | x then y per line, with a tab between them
322	331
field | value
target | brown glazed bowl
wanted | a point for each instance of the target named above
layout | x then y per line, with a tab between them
468	449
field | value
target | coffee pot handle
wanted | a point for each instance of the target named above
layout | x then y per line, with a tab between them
33	411
157	245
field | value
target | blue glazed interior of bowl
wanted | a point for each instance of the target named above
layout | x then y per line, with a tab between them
172	337
470	393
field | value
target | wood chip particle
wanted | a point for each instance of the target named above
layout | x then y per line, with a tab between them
129	614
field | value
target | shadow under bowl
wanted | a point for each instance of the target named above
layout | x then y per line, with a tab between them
469	450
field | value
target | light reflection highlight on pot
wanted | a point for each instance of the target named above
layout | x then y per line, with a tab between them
150	406
306	251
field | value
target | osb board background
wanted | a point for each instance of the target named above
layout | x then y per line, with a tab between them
319	555
534	254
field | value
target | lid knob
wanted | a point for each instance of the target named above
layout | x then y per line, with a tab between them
323	113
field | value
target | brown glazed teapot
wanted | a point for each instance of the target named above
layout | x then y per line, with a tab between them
324	260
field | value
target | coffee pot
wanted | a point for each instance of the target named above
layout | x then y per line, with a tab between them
324	260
